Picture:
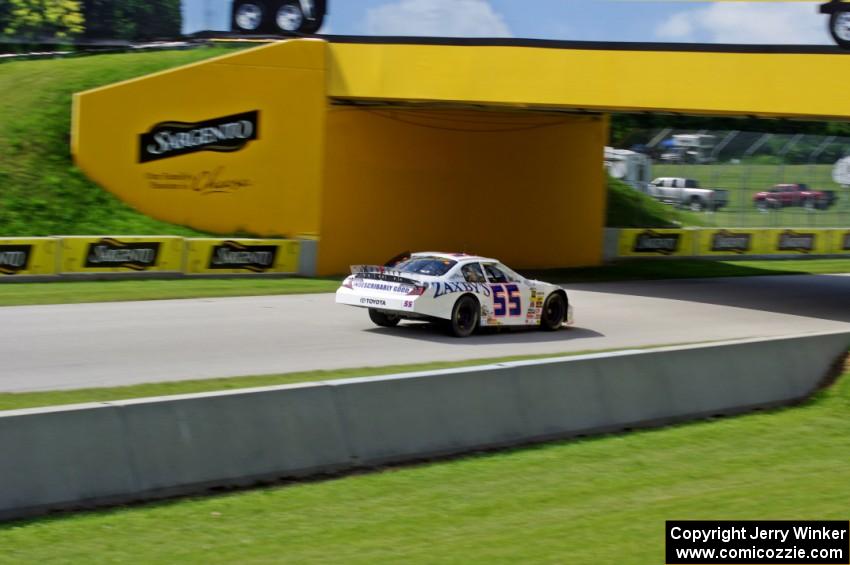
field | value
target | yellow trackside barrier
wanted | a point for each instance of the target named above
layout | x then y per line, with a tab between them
240	256
656	242
840	242
797	242
730	241
120	254
27	256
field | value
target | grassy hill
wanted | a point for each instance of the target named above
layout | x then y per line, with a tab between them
41	192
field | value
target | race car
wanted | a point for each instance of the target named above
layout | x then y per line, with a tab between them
463	291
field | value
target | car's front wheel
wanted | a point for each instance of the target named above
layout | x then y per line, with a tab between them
554	312
383	319
465	316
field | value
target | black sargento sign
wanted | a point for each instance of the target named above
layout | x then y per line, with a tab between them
790	240
654	242
225	134
234	255
14	258
731	242
112	253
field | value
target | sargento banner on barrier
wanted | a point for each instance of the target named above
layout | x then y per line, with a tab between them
797	242
730	242
655	242
240	256
121	254
30	256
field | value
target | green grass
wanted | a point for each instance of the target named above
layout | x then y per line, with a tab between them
61	292
744	180
601	500
42	192
628	208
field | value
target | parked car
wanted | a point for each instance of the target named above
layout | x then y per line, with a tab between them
687	193
462	291
783	195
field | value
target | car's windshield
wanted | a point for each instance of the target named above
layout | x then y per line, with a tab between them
435	266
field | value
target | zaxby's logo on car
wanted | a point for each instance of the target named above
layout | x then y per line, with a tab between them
226	134
731	242
790	240
112	253
14	258
234	255
654	242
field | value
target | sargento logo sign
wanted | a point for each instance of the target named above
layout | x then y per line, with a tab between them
731	242
14	258
845	242
226	134
653	242
792	241
112	253
234	255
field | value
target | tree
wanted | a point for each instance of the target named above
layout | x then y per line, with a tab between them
43	19
132	20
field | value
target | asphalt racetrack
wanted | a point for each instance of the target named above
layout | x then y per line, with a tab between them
122	343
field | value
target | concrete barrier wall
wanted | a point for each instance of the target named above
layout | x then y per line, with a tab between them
115	452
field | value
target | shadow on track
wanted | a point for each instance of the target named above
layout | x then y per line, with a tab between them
824	297
485	336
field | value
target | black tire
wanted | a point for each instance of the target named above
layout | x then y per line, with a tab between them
762	205
809	204
288	17
465	316
383	319
554	312
839	28
696	204
250	16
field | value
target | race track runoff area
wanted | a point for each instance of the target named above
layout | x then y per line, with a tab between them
113	344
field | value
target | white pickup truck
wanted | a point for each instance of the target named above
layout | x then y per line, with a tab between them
687	193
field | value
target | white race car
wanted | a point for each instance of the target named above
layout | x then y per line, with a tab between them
465	290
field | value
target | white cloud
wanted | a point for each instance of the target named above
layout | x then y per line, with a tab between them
442	18
747	22
677	26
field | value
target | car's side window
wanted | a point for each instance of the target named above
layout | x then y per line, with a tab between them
494	275
472	273
511	276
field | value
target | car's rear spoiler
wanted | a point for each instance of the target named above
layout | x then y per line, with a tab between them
381	273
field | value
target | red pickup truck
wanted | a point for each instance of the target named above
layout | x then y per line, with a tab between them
782	195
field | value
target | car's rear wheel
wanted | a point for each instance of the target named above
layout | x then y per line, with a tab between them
383	319
554	312
465	316
696	204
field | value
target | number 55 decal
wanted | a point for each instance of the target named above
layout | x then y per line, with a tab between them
506	300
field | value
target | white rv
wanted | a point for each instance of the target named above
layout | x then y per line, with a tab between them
634	169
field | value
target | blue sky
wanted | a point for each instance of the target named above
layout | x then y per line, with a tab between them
781	22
